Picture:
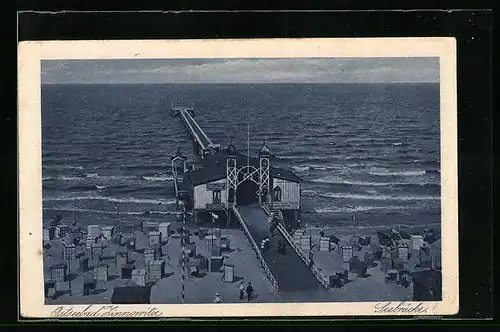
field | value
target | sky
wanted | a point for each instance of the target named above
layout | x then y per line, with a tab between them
291	70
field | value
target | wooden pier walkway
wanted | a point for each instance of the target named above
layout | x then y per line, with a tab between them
199	136
289	270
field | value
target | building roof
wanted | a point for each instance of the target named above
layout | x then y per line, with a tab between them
264	150
214	168
157	262
131	295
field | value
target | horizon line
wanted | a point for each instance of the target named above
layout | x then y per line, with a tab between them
226	83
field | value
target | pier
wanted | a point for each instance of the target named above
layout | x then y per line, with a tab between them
290	271
223	177
199	137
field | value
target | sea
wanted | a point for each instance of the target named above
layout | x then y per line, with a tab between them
365	151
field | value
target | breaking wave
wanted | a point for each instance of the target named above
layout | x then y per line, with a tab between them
379	197
113	199
360	209
158	178
385	172
62	167
130	213
333	180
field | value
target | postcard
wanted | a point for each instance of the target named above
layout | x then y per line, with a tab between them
238	178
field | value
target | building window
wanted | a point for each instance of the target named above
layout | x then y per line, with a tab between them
277	194
216	196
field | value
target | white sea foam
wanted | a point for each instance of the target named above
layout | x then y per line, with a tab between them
316	167
300	168
336	180
62	167
131	213
379	197
111	199
359	209
386	172
108	177
158	178
69	178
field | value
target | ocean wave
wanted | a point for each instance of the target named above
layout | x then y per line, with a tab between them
62	167
112	199
307	192
109	177
360	209
300	168
305	168
386	172
69	178
378	197
333	180
158	178
130	213
86	177
307	157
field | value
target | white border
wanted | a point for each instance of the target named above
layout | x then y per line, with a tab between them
30	164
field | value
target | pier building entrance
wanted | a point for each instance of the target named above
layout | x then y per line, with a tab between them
247	191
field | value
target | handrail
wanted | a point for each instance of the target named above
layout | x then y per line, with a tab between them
175	181
188	119
199	128
323	281
191	129
257	251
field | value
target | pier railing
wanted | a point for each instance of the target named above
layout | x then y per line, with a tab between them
255	247
317	274
195	130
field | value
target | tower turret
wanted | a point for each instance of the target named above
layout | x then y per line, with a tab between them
231	175
264	178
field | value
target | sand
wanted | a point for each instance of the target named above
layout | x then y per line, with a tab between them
246	268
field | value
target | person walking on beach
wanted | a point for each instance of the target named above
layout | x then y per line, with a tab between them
249	291
217	298
242	290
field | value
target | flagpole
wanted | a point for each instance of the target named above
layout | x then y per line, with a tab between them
248	145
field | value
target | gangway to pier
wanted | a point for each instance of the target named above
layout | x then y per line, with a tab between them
289	270
200	137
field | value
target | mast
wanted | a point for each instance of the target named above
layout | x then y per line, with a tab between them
248	142
248	145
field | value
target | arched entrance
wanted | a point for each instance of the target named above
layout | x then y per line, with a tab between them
248	186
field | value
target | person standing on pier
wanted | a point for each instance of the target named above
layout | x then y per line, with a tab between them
249	291
322	232
311	259
242	290
217	298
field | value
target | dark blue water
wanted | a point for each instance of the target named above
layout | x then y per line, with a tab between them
372	149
